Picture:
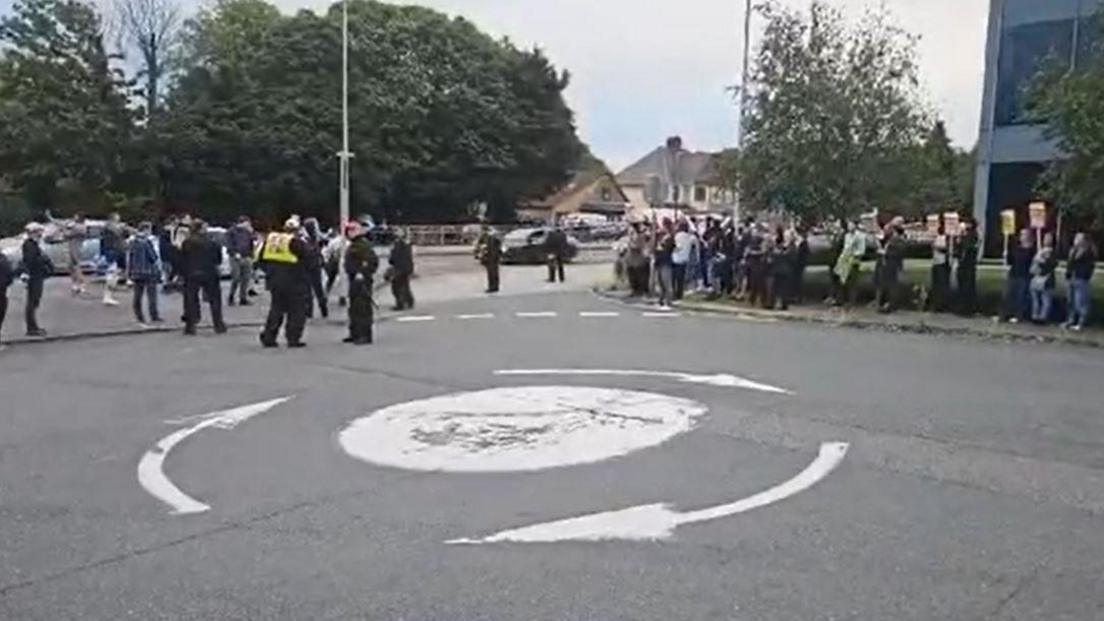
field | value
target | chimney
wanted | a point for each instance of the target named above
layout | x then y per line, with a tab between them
674	143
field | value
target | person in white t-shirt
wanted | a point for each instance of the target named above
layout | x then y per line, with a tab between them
684	246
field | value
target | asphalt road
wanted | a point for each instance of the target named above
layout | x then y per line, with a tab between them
973	487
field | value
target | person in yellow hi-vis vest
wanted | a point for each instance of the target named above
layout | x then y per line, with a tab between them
283	257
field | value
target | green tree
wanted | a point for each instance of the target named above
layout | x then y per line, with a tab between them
1072	106
64	121
834	110
442	115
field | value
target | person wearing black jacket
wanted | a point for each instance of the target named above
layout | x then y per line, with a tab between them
360	266
314	265
402	268
1079	273
1017	301
556	248
966	272
488	251
891	261
284	258
201	257
38	268
7	276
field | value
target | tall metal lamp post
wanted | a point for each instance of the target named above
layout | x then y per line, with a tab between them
742	104
344	155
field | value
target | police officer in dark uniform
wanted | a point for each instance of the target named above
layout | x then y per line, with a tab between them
284	257
402	269
201	257
488	251
556	248
361	264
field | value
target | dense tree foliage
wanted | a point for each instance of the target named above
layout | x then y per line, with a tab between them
443	116
836	126
65	127
1071	103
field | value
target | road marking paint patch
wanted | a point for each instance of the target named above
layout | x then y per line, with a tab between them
519	429
151	473
416	319
724	380
658	521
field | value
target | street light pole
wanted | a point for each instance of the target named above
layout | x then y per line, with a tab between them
345	155
742	104
744	76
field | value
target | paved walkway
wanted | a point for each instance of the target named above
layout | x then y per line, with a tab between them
903	321
66	317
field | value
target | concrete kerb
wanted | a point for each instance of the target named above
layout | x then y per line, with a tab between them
856	322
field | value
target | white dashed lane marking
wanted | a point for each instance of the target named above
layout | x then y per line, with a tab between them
599	314
537	315
476	316
416	319
661	315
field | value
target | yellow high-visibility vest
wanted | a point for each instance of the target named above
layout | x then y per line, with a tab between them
277	248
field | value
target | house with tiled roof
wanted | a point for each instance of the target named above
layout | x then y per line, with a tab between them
686	180
593	191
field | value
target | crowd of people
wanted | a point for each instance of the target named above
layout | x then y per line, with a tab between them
763	265
766	265
300	266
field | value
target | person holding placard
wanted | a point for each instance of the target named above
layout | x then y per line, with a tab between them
1017	303
940	271
966	271
1043	280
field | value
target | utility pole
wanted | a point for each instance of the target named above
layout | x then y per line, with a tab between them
345	155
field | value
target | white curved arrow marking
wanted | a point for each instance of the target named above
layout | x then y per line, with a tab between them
659	521
151	474
722	379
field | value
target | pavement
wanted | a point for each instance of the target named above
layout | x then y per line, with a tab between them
970	486
868	318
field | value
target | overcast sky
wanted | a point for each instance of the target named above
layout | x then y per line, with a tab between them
645	69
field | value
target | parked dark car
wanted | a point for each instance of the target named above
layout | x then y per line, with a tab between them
526	246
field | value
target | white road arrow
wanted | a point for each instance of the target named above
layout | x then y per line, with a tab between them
659	521
151	474
722	379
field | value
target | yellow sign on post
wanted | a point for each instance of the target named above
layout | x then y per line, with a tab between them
1008	222
1038	215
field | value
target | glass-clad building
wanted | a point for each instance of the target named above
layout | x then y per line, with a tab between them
1025	36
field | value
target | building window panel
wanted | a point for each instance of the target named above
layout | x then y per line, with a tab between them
1025	51
699	194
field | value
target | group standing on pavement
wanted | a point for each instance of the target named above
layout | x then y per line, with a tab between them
183	255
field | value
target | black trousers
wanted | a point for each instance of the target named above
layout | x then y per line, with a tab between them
3	307
315	278
361	311
555	268
34	299
492	277
212	290
889	286
288	302
679	279
400	288
967	290
940	287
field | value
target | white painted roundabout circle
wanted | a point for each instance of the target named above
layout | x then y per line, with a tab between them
517	429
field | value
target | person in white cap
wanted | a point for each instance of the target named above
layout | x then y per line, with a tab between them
38	267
